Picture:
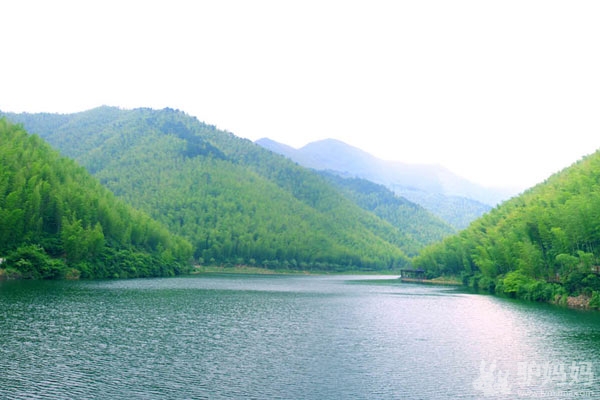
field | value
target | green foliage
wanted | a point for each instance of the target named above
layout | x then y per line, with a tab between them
32	262
457	211
545	239
428	186
517	285
58	221
236	202
514	284
417	225
595	300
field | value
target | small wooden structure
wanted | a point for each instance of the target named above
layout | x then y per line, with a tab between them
412	275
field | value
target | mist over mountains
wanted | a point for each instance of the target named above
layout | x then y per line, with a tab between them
445	194
164	189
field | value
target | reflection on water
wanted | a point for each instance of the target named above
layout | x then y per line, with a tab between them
310	337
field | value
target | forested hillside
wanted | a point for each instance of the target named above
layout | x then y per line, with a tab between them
56	220
235	201
542	245
421	225
446	195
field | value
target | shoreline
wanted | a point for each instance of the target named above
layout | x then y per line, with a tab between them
444	282
242	269
581	302
238	269
245	269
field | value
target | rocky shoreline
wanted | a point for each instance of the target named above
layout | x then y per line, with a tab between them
581	302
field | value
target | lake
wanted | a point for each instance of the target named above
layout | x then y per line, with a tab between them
287	337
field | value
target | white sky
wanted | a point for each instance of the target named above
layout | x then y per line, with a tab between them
501	92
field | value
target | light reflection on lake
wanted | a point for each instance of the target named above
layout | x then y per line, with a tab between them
304	337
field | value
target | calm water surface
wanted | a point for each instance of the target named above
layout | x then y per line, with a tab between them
287	337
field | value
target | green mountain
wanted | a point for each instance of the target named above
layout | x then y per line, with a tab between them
450	197
541	245
235	201
422	226
56	220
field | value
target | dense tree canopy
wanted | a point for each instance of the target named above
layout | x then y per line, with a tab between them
539	244
235	201
419	226
57	220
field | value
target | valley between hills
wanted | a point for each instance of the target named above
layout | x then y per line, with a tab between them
132	193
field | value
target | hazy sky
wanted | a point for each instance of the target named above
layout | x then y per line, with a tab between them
500	92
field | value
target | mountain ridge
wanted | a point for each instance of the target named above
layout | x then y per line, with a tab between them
235	201
440	179
432	186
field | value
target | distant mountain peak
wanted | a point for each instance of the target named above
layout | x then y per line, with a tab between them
328	145
418	182
328	142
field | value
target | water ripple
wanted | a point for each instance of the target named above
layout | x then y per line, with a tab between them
270	337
